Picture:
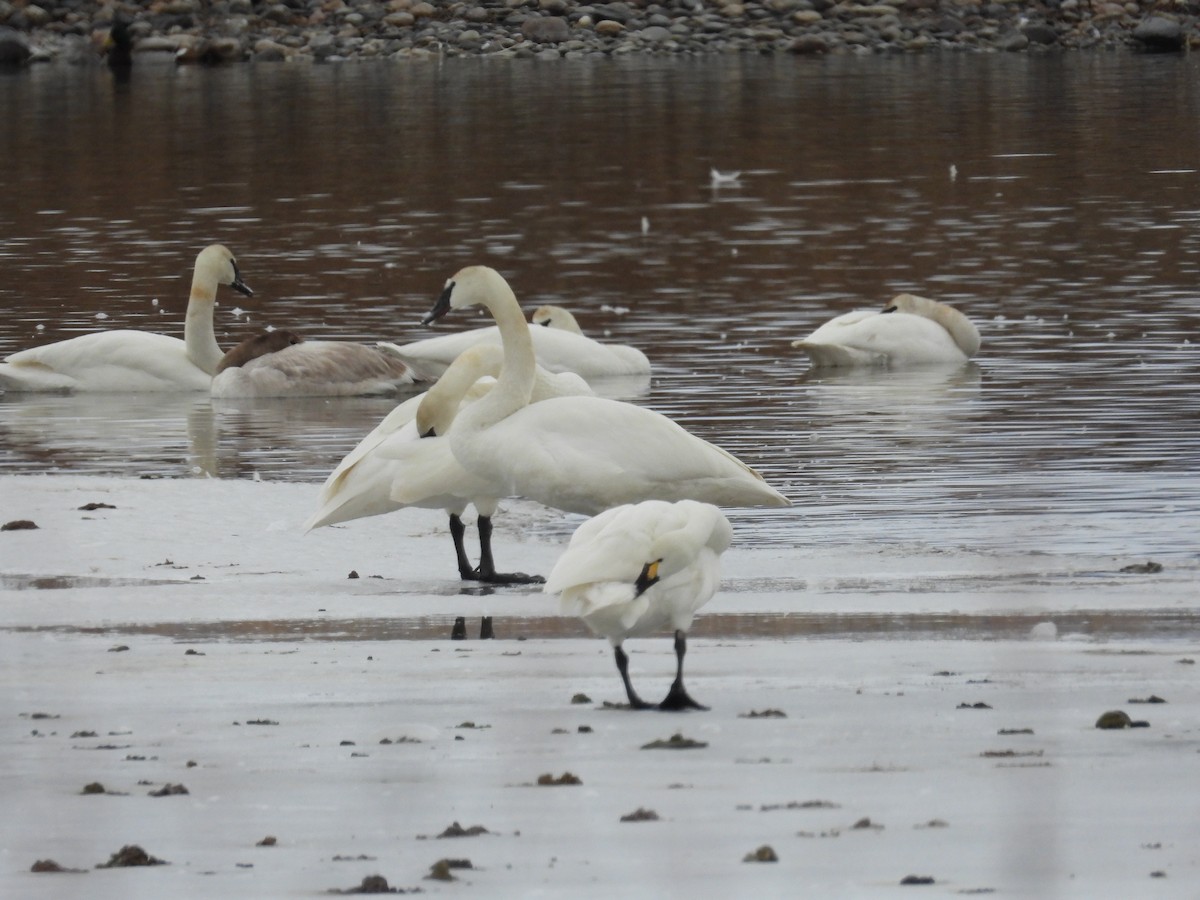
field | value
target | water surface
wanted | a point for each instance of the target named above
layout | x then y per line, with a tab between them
1054	199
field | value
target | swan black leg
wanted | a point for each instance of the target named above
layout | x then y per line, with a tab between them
677	698
486	570
457	530
635	702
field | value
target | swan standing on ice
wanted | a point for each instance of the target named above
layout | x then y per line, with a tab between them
135	361
637	569
909	331
579	454
406	461
560	346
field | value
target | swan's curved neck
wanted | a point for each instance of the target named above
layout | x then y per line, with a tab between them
515	384
198	334
962	329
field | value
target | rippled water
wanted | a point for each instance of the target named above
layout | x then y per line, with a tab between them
1067	230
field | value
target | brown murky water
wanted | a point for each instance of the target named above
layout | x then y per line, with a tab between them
1067	230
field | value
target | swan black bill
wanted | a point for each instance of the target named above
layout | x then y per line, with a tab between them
238	285
441	307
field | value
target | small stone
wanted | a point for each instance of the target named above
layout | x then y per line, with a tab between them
19	525
1159	34
566	778
1114	718
131	855
169	790
609	28
581	698
454	830
640	815
94	788
268	841
353	574
546	30
675	742
917	879
763	854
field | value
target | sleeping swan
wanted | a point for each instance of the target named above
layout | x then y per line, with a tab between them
406	461
909	331
579	454
560	346
269	366
135	361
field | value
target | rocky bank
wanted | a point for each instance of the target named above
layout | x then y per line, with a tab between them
331	30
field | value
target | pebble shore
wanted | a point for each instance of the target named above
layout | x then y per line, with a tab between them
333	30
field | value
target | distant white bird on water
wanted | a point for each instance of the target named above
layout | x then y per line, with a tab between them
719	179
909	331
637	569
579	454
128	361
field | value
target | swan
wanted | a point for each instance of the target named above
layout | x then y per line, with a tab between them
135	361
406	461
579	454
561	346
636	569
910	331
314	369
256	346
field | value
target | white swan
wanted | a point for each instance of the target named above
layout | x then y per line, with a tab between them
909	331
580	454
635	570
135	361
561	346
406	461
315	369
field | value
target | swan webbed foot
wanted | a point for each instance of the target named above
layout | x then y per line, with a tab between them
477	574
678	699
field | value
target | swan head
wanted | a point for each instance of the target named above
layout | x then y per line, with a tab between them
472	286
217	264
962	329
555	317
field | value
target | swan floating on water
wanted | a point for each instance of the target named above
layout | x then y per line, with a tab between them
579	454
406	460
909	331
561	346
315	369
637	569
135	361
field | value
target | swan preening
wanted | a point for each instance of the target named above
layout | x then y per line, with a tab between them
579	454
135	361
637	569
909	331
406	461
561	346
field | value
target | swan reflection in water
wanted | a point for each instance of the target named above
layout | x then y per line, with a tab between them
178	434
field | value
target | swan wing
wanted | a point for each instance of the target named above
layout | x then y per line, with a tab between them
587	454
107	361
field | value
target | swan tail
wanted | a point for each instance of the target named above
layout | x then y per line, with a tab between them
33	377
